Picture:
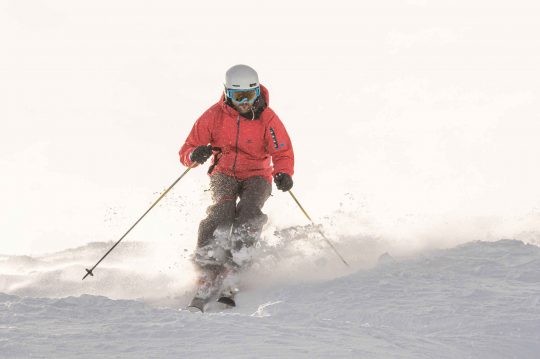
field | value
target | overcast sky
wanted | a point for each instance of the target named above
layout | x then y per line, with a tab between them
417	119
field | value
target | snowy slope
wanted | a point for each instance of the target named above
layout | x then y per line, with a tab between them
415	125
477	300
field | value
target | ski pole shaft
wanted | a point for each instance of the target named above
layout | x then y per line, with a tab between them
318	229
90	271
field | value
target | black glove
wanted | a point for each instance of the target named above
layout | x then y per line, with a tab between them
201	153
283	181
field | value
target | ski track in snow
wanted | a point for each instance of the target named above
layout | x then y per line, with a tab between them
478	300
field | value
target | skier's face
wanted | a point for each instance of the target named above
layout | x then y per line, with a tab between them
243	107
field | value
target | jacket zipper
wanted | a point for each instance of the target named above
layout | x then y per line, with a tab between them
237	137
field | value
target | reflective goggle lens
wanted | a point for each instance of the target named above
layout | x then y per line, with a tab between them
240	96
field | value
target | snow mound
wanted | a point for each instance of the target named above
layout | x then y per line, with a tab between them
165	276
477	300
124	275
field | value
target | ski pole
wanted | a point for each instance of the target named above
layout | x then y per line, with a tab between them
90	271
318	229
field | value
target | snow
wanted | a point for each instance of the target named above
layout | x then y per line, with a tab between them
477	300
415	126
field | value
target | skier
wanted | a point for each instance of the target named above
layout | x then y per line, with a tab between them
249	146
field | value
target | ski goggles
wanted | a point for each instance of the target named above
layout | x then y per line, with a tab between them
241	96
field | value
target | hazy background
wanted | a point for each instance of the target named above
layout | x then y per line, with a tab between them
416	122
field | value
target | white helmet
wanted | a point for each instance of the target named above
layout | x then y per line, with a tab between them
241	77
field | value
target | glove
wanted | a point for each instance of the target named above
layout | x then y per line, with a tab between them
200	154
283	181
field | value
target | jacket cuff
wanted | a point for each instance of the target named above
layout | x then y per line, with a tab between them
186	159
276	171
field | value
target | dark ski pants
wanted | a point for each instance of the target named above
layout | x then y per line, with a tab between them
231	226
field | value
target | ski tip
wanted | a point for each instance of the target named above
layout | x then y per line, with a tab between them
196	305
227	301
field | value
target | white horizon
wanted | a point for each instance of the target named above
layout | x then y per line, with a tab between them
414	121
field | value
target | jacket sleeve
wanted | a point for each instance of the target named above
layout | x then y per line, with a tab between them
279	146
200	135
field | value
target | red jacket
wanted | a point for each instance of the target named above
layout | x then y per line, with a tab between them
249	147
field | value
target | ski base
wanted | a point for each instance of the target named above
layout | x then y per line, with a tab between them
228	301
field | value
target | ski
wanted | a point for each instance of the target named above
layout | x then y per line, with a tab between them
208	286
228	301
216	285
197	305
226	296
